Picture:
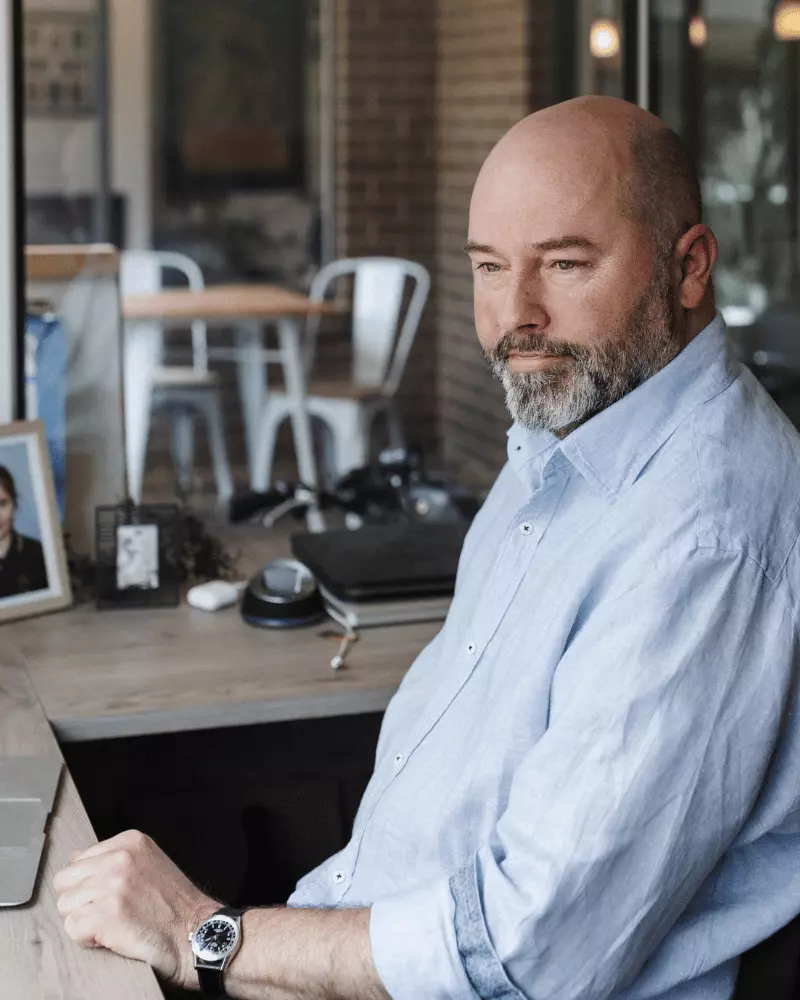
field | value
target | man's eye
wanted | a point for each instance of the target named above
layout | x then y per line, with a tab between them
567	265
488	267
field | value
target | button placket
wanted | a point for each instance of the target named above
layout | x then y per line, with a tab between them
503	581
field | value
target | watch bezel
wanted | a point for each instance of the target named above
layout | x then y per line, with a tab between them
203	954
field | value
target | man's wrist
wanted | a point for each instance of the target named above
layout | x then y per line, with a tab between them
186	977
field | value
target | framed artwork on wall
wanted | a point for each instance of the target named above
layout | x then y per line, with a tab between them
233	94
61	54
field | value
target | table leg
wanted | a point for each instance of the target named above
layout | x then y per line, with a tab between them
289	336
251	370
142	341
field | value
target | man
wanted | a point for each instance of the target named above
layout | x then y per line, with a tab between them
587	785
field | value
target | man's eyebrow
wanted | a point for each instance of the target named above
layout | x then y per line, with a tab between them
472	247
546	246
565	243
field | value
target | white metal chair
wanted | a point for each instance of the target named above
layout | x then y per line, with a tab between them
382	339
186	391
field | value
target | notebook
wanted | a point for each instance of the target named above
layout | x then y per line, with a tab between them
389	562
27	791
365	614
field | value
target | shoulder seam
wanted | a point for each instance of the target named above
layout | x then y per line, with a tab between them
773	583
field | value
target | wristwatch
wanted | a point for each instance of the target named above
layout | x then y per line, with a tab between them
214	944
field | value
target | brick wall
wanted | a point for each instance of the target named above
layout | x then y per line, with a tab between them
424	90
494	66
386	165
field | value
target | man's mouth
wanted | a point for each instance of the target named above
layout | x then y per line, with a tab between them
523	361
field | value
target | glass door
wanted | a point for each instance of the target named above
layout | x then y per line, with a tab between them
727	81
726	76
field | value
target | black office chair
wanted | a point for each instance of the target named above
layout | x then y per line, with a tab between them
771	970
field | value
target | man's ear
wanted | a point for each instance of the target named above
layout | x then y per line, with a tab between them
695	255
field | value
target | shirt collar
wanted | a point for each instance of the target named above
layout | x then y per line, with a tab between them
612	448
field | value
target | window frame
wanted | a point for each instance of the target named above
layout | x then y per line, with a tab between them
11	212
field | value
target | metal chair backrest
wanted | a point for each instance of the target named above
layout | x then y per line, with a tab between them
381	342
142	272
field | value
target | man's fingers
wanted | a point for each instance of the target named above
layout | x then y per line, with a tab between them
77	872
128	840
80	927
68	902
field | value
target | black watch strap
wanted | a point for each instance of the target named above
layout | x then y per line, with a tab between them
210	980
209	976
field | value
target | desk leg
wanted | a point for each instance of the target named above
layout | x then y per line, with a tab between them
289	335
251	371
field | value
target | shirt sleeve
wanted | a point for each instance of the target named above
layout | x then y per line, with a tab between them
665	712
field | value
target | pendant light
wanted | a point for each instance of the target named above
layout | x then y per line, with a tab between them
786	22
604	39
698	31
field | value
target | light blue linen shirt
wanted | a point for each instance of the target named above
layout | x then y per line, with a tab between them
588	785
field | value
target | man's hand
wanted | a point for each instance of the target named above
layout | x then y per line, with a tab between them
125	894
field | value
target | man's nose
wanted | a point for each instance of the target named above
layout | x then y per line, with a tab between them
522	306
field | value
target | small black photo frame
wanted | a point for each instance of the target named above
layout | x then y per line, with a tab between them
138	552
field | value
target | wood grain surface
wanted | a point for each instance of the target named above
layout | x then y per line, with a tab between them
37	960
133	672
221	302
65	263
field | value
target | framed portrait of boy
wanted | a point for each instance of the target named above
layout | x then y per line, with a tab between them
33	567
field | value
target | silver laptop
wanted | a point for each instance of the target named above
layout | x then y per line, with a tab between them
27	791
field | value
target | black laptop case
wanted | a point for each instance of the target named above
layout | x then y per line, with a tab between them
387	562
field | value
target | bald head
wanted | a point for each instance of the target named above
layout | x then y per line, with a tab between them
591	267
655	179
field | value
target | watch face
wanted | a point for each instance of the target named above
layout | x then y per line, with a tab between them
215	938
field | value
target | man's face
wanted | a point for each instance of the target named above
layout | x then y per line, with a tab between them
573	308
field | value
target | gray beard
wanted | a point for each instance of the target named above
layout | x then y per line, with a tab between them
567	394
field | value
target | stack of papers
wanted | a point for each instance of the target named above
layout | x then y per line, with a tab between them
365	614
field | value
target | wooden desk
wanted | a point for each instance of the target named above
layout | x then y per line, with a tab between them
36	957
127	673
247	308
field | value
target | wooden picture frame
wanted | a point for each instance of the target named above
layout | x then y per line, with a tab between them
34	578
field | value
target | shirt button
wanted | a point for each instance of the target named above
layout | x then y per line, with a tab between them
339	877
399	760
526	528
471	647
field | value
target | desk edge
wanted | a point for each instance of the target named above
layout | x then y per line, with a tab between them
78	729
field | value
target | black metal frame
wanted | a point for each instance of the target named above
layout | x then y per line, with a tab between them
565	29
166	517
18	155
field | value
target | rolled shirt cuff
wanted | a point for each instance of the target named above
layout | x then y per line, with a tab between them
414	945
481	963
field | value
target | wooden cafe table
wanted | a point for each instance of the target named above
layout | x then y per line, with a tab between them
246	308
